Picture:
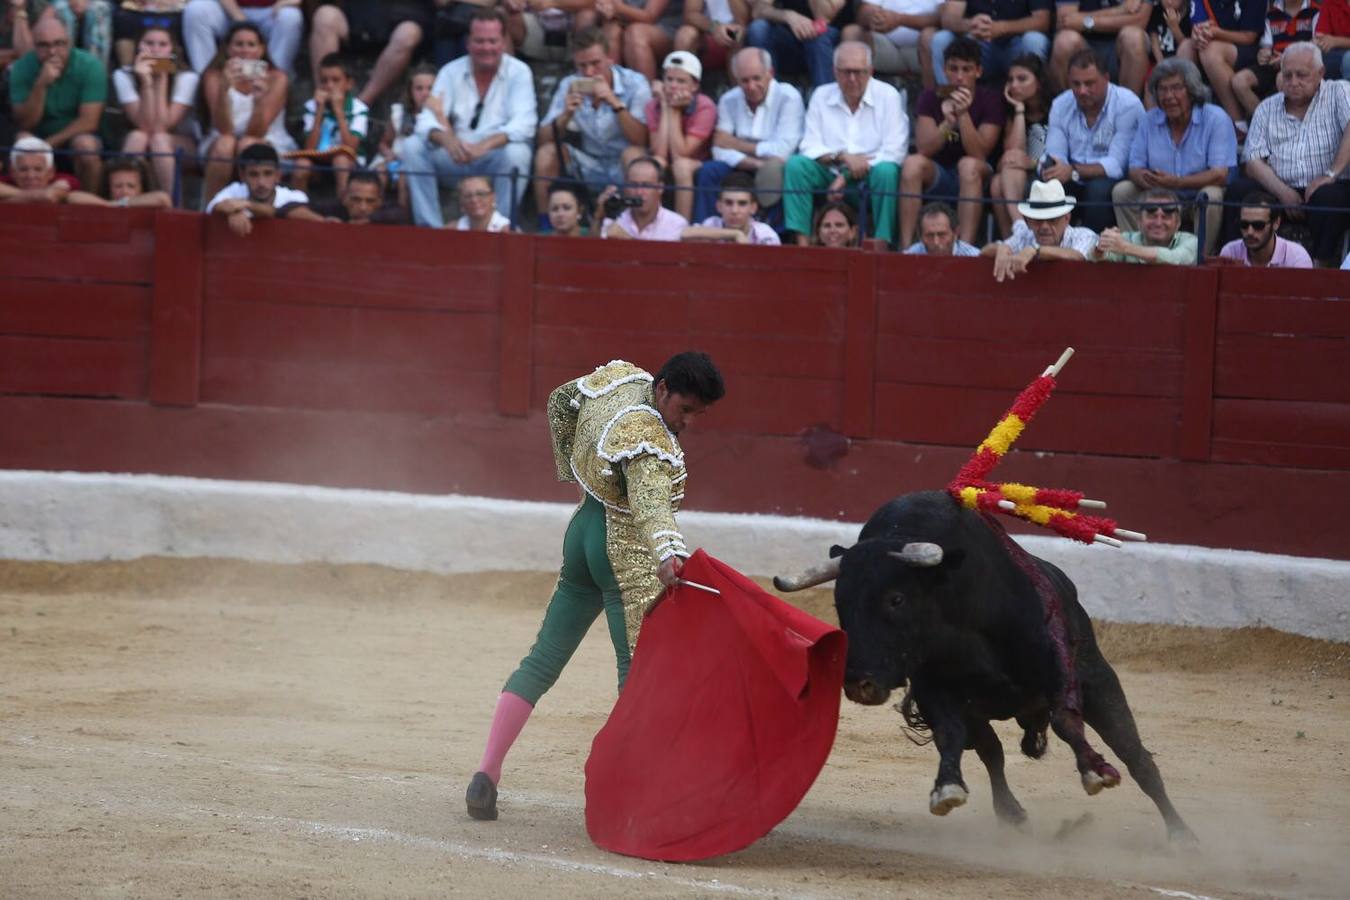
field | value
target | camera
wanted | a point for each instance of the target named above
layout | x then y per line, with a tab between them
614	206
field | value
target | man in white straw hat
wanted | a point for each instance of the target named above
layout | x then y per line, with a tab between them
1046	233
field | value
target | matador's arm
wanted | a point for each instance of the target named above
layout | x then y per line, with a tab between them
651	481
564	405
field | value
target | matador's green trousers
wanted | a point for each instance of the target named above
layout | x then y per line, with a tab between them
586	585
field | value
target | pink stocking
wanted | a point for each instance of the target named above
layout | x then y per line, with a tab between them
510	717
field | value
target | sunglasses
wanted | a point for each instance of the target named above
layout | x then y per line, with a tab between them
1153	210
1251	225
477	111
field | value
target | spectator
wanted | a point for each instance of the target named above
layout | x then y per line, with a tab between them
1092	126
335	124
280	23
133	17
479	207
1333	36
937	234
126	182
1005	30
1023	137
713	30
800	35
89	23
835	225
954	136
640	31
157	93
16	36
360	203
566	209
595	123
257	194
1184	143
539	29
1113	29
856	131
399	128
1299	147
901	34
1224	36
394	29
1050	236
479	122
32	175
1287	22
735	219
246	100
1169	25
680	123
1161	242
450	28
759	125
643	218
57	93
1260	245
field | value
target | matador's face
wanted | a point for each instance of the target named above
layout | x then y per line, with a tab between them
678	411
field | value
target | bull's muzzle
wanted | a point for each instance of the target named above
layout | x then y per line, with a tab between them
866	691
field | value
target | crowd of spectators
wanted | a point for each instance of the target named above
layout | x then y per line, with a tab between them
1116	130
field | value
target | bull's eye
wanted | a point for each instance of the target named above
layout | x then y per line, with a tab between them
895	602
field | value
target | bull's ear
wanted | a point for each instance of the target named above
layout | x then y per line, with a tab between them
837	551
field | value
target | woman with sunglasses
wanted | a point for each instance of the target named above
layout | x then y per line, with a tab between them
1159	241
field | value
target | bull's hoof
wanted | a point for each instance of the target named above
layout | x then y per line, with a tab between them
1093	782
481	798
1181	836
947	798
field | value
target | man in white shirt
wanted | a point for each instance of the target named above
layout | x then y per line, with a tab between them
256	194
484	124
856	131
759	125
1048	236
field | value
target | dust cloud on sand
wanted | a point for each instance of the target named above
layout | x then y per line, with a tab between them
176	727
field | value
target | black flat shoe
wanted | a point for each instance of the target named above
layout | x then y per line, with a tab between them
481	798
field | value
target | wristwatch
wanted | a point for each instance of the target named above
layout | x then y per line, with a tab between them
1332	174
1088	23
1075	177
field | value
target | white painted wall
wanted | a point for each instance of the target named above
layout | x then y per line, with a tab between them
72	517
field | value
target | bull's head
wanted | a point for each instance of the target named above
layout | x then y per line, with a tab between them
882	594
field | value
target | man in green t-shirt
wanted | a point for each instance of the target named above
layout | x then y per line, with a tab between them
58	94
1161	242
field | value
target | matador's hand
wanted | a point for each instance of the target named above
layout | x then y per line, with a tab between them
669	570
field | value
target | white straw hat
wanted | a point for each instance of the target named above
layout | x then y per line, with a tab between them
1046	201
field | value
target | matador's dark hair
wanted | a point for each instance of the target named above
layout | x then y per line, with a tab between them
693	373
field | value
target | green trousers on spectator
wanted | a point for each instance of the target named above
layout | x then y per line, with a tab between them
586	586
805	174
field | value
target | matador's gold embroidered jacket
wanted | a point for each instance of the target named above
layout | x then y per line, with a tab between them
609	437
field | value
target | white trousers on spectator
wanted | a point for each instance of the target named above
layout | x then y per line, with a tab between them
205	22
427	166
1127	217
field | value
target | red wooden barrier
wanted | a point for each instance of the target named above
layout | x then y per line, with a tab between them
1209	406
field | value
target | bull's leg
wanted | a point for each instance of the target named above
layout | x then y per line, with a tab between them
1107	711
984	740
949	736
1093	769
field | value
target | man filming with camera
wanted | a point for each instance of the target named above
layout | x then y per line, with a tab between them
637	213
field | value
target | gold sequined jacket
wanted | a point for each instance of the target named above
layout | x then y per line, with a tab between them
609	437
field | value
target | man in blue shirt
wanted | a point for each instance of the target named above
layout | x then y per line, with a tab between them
1185	144
1116	29
1225	34
1005	29
1087	147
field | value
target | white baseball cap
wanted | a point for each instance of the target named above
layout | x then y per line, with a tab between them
683	59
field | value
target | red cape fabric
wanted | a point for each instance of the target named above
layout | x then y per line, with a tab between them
727	717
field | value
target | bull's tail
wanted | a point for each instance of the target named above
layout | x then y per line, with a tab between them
916	727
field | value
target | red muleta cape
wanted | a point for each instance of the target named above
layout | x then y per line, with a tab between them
727	717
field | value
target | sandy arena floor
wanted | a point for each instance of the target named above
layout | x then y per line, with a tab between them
201	728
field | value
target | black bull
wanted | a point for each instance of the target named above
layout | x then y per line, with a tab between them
937	596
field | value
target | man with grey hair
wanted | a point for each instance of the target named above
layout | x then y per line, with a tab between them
856	131
759	125
1184	144
1160	242
1298	149
32	169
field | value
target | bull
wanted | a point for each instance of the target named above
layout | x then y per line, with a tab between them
937	597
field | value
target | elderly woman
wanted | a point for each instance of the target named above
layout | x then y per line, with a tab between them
1185	144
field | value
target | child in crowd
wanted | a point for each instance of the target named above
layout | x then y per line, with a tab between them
402	117
680	123
126	182
157	92
1168	25
132	17
735	221
335	125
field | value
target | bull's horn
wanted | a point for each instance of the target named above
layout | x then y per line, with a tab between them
810	578
918	554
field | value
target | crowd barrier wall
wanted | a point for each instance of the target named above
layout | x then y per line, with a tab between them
1207	406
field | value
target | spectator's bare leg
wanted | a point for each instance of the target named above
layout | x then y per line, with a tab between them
162	160
1013	183
1213	218
1132	50
547	167
614	37
125	51
643	45
327	33
515	26
689	38
683	169
136	143
971	173
854	32
926	57
1066	44
300	174
630	153
342	167
1186	50
88	163
1217	60
1244	91
219	166
916	175
393	61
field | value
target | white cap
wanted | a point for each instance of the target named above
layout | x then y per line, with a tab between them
683	59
